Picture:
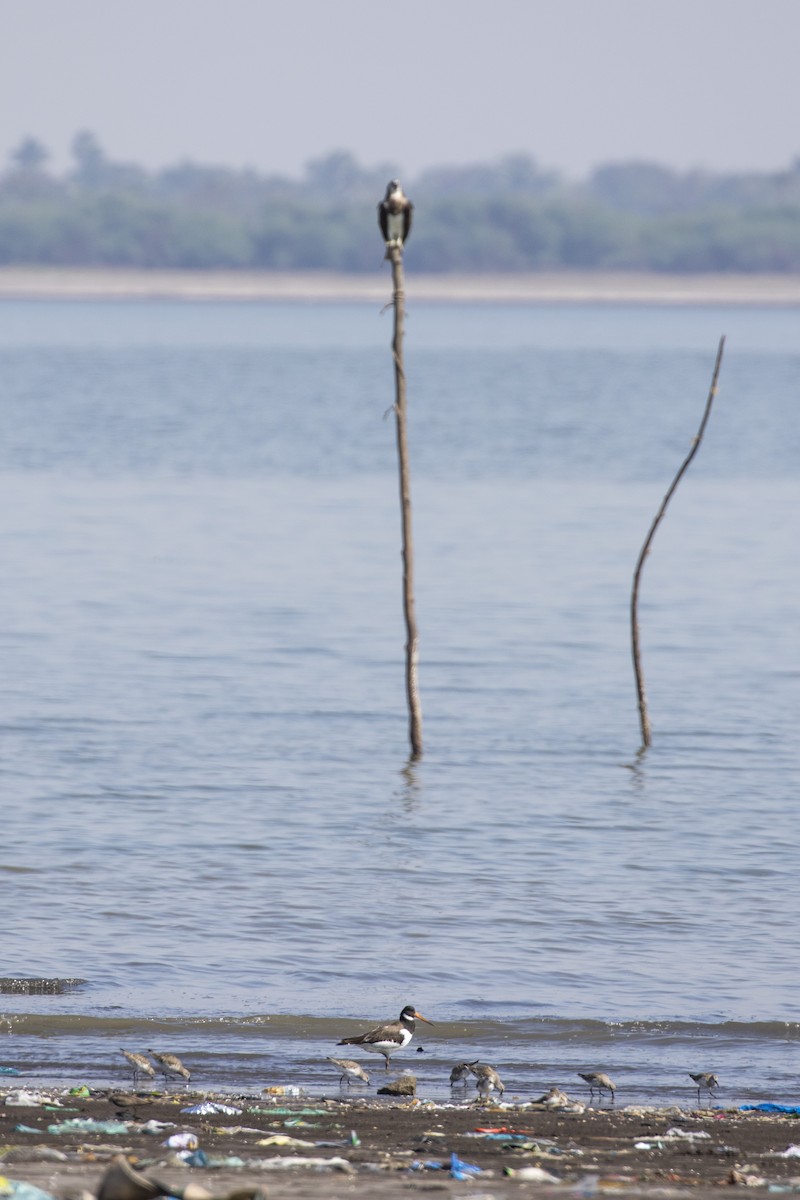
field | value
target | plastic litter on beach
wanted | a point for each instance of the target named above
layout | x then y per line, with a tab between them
88	1125
27	1099
293	1162
182	1141
9	1071
462	1170
284	1139
18	1190
531	1174
793	1109
208	1107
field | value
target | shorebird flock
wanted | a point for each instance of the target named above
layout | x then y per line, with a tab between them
392	1036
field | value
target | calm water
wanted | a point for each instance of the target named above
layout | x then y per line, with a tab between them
207	812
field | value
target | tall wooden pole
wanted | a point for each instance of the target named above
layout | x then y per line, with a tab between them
644	719
395	254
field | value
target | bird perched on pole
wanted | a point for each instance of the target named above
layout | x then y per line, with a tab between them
394	215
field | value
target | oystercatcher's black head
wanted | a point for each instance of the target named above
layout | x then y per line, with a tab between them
409	1013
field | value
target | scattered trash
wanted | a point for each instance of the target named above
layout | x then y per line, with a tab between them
746	1180
29	1154
462	1170
199	1158
9	1071
18	1190
689	1135
794	1109
81	1091
26	1099
531	1174
182	1141
285	1090
791	1152
89	1125
285	1163
208	1107
283	1139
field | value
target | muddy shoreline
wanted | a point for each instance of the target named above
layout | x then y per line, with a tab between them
566	287
361	1147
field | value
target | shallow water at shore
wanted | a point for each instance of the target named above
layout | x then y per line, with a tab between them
208	814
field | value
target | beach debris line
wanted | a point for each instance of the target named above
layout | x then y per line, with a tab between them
599	1082
350	1071
387	1039
641	695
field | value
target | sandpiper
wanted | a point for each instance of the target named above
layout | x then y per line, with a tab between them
599	1082
171	1065
350	1070
487	1079
705	1080
386	1039
461	1072
141	1064
555	1098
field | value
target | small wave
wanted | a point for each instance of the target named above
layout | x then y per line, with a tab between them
16	986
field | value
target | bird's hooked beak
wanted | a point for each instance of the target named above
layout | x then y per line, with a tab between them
419	1017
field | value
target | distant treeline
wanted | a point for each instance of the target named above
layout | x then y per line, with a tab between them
506	216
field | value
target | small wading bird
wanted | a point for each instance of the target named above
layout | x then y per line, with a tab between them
350	1070
598	1082
140	1063
394	215
705	1080
487	1080
171	1065
555	1098
461	1072
386	1039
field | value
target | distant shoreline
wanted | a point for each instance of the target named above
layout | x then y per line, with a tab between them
602	287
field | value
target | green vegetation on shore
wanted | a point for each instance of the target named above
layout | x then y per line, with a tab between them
507	216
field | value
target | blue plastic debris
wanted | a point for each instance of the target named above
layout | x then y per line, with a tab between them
772	1108
9	1071
462	1170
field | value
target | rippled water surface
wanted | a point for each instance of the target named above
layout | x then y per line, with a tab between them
207	810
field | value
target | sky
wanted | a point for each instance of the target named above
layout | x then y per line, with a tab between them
273	84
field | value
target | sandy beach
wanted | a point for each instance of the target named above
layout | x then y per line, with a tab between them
546	288
360	1147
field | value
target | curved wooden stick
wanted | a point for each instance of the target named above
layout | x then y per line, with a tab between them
644	720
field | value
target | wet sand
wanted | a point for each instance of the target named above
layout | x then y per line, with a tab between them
546	288
600	1149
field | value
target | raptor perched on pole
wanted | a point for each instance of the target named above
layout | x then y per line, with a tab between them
394	214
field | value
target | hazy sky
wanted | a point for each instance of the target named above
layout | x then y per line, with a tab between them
274	83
